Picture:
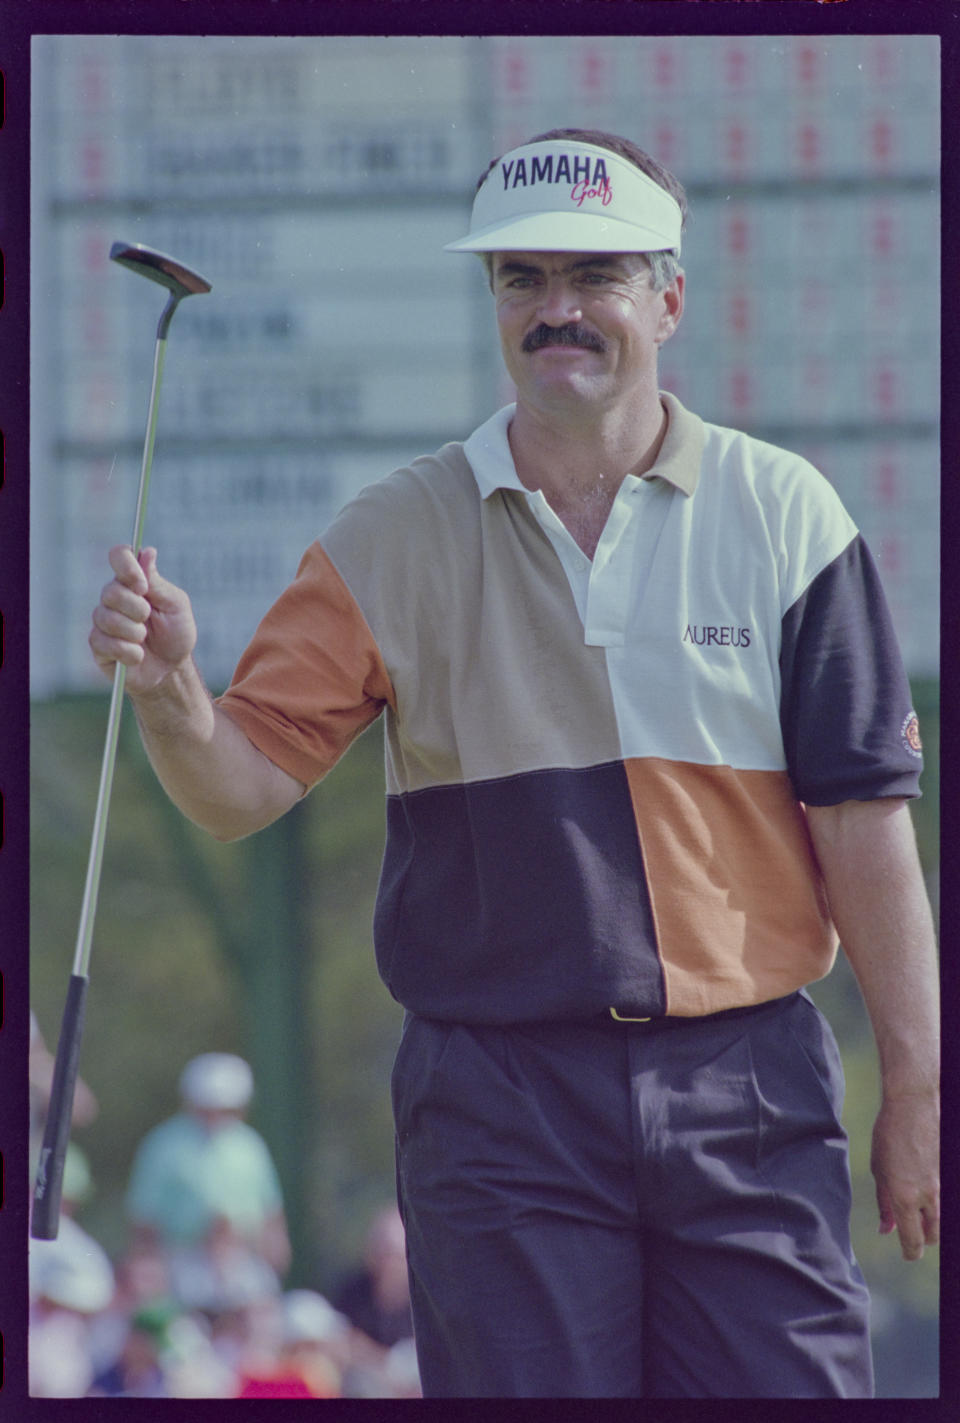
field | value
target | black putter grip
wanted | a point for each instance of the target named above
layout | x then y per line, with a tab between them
45	1220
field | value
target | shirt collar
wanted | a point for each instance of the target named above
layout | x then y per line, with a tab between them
488	451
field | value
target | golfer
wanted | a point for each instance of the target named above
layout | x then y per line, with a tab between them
649	751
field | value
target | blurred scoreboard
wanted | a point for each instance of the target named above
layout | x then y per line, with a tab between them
314	182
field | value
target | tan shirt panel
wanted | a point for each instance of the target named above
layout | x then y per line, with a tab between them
736	893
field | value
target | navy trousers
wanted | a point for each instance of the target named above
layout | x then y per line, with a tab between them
606	1209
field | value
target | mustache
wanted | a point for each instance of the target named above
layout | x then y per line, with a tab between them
573	334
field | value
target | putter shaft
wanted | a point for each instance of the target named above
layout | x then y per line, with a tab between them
81	961
44	1224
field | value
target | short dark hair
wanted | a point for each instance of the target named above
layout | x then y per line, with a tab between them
664	265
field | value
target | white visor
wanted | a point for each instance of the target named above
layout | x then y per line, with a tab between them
570	197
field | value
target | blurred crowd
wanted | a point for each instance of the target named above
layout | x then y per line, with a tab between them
195	1307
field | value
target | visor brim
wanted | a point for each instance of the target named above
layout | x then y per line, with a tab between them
565	232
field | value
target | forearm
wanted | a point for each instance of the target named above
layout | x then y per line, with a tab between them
868	856
205	763
875	887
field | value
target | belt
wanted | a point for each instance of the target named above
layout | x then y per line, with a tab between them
666	1020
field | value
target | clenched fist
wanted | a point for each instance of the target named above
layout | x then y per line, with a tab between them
142	621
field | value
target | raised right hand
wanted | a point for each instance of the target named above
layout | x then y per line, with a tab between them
142	620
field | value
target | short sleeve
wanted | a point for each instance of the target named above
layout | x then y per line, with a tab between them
849	728
312	677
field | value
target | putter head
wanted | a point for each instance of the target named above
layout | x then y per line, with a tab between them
148	262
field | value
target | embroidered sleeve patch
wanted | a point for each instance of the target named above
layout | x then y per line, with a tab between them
910	735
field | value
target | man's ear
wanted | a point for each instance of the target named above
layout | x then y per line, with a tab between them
672	309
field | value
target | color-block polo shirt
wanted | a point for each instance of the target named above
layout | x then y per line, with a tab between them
595	769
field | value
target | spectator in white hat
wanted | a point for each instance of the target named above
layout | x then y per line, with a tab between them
205	1194
71	1284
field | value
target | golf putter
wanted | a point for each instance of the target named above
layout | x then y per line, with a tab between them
180	282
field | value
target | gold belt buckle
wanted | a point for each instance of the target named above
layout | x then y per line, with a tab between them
621	1018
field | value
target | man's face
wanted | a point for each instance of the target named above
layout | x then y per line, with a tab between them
581	330
214	1119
